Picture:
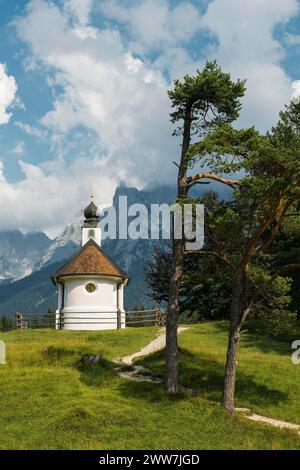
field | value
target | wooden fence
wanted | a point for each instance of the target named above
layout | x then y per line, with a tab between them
146	317
30	321
133	318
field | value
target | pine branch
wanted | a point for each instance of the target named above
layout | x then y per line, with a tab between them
222	258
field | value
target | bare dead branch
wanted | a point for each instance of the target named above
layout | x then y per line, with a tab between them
191	180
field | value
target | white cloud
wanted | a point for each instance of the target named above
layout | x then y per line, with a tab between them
176	62
154	23
79	9
123	100
19	149
8	90
52	192
31	130
246	29
99	84
296	89
248	49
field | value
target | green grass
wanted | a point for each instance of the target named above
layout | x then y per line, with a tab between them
49	402
267	381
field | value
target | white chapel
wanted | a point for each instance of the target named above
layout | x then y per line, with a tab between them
90	284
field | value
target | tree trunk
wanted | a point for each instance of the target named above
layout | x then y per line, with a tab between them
233	342
176	272
172	319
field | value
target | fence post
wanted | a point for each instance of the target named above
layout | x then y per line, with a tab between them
118	319
18	321
156	316
164	316
161	317
21	324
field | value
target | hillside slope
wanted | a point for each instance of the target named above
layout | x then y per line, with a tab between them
32	294
48	402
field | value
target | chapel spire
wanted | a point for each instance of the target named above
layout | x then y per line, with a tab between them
91	219
90	229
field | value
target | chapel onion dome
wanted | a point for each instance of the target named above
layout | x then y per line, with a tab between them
90	214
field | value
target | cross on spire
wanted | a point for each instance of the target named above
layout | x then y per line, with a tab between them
91	192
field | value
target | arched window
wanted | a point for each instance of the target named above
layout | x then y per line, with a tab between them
91	233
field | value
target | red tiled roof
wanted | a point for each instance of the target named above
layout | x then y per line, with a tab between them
89	260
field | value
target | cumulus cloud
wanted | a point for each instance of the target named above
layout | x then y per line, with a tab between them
49	195
79	10
101	85
106	89
247	48
153	23
8	90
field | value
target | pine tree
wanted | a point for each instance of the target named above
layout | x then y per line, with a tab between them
200	103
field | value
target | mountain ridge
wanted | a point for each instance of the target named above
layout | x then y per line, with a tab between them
20	252
35	293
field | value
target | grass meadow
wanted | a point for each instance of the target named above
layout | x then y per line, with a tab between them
49	401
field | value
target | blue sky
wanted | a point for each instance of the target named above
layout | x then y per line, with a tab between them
83	91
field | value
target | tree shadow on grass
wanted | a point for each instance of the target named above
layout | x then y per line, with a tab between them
200	372
98	375
266	344
105	375
204	375
150	393
252	337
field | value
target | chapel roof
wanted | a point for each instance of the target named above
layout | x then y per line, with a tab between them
89	260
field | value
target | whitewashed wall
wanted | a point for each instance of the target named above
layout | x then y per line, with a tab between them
91	311
104	297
